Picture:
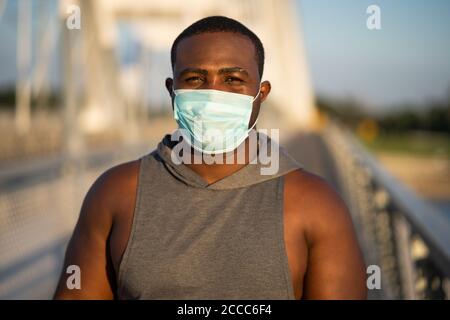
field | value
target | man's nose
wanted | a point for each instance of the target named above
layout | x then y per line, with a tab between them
215	84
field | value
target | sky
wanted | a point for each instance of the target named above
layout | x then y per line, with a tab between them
407	61
8	39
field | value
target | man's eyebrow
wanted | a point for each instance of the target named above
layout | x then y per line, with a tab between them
233	69
193	70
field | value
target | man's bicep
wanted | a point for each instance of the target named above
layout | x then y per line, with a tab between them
87	250
336	268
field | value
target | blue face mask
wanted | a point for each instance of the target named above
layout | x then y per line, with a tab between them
213	121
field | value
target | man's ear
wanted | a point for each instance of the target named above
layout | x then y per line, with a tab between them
169	85
265	90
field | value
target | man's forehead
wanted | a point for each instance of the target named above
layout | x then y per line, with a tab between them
216	51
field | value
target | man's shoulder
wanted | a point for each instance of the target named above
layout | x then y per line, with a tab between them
301	182
120	175
315	200
115	188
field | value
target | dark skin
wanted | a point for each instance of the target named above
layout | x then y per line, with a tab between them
324	257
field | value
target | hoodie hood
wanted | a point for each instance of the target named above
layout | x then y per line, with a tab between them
248	175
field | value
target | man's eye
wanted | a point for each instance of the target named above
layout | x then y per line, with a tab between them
194	79
233	80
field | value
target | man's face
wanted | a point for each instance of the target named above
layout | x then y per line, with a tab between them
221	61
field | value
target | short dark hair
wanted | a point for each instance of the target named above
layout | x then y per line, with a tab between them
220	24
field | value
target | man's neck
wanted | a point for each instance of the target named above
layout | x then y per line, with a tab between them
217	171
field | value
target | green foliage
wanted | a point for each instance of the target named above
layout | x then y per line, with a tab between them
434	116
50	101
417	143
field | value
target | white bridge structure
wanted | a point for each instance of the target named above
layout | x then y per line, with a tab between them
114	90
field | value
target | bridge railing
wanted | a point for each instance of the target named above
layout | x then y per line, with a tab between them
39	206
398	231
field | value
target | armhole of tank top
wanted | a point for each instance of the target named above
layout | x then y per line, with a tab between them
282	246
123	263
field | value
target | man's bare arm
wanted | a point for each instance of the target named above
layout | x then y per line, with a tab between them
336	268
89	245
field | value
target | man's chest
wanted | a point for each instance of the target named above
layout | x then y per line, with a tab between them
295	247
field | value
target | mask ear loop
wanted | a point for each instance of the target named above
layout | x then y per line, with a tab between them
256	97
174	104
256	121
259	91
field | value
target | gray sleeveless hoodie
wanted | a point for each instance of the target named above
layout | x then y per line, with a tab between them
194	240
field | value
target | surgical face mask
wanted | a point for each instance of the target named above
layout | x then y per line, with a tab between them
213	121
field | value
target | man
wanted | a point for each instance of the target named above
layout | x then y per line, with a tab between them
156	229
